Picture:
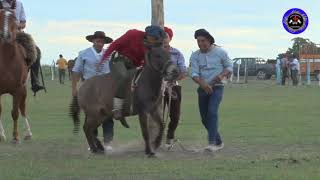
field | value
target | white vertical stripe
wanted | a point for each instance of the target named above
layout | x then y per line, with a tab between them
6	25
2	134
27	127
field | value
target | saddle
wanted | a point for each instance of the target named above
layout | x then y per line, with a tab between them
26	41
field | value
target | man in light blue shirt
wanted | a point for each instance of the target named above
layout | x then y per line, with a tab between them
87	61
86	65
210	66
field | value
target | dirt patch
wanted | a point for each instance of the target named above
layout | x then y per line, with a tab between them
184	150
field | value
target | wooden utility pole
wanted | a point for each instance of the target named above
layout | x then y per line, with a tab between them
157	13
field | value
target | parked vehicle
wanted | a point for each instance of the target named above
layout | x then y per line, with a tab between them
255	66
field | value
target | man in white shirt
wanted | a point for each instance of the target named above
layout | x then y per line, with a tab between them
295	69
86	66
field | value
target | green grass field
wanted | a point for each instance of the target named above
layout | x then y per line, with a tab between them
270	132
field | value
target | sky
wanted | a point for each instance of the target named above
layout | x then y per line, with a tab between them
248	28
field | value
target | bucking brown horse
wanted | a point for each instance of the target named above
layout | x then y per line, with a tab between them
14	72
95	98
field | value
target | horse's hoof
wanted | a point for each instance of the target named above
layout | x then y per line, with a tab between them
99	152
15	141
152	155
28	137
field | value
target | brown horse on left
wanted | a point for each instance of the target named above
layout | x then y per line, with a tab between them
13	73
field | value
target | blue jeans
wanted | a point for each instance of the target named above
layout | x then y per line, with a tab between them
107	127
209	106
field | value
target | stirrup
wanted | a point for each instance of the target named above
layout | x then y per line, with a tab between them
36	88
117	114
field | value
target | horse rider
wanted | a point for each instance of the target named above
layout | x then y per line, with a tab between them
85	66
129	53
17	7
175	105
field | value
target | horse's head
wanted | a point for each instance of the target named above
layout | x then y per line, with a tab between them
159	60
8	26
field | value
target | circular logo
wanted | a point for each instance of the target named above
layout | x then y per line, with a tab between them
295	21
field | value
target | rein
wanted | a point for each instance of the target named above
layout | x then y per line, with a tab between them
168	86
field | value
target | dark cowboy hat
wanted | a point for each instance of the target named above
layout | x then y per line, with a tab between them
204	33
99	34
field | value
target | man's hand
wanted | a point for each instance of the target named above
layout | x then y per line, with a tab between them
21	26
203	85
181	76
218	78
206	87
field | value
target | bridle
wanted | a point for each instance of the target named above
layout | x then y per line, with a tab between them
162	70
4	33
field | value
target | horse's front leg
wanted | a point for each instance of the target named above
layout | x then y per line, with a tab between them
22	107
15	116
143	119
2	134
156	127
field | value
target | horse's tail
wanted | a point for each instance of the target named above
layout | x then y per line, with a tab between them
74	112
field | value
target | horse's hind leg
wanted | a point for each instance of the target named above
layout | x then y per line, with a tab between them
96	139
88	129
99	144
22	107
15	116
2	134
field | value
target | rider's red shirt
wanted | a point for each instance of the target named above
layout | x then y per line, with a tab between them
131	45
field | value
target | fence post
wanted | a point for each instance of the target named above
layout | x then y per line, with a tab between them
278	72
238	73
52	68
246	71
308	72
